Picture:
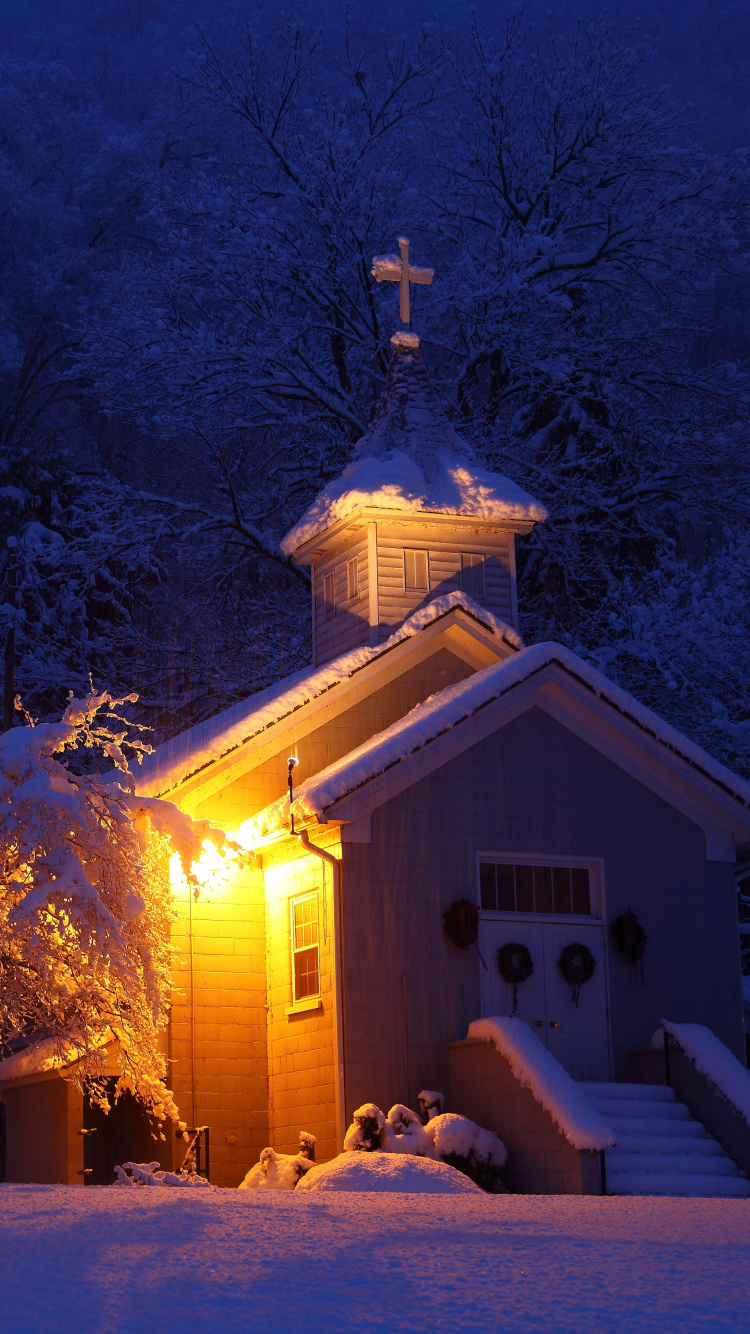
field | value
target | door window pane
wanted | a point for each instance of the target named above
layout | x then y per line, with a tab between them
488	893
524	889
543	889
506	889
415	571
553	890
561	879
581	891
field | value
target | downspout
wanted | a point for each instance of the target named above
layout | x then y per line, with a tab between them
339	1070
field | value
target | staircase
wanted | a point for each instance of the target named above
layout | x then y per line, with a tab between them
661	1149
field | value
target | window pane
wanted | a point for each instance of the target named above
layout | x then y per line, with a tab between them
472	576
487	886
415	571
352	579
306	982
305	923
506	889
561	878
525	888
581	893
543	888
329	594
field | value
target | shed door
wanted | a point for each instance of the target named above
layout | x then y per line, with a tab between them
576	1034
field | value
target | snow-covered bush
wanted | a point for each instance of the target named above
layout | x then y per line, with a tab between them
86	905
149	1174
431	1103
281	1171
479	1153
447	1138
364	1133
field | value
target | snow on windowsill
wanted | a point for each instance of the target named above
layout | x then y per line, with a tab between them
711	1058
536	1069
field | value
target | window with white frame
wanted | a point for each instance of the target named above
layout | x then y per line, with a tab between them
507	886
305	947
416	572
472	576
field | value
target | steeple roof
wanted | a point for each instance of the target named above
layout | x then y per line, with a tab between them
412	461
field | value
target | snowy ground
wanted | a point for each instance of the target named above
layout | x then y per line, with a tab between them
108	1259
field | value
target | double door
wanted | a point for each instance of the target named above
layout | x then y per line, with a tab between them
577	1034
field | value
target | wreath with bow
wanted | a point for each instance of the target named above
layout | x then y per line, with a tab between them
577	964
515	965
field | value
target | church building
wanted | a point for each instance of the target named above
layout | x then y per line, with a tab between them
437	817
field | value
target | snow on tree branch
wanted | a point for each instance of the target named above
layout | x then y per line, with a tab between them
85	902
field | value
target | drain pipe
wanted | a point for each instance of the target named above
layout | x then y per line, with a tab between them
335	866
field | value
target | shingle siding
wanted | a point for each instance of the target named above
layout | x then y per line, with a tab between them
532	787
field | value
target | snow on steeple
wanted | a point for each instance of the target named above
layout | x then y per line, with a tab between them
412	461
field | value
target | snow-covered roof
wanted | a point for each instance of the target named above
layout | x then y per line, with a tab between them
449	707
196	747
412	461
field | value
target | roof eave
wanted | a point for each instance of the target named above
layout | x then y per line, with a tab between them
307	551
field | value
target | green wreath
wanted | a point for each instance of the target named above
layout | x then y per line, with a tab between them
629	936
577	964
515	965
514	962
461	923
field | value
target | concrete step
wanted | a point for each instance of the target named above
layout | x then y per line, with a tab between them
661	1149
678	1183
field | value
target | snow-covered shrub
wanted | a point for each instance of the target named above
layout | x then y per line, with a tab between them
403	1132
447	1138
149	1174
366	1129
276	1171
431	1103
479	1154
86	904
281	1171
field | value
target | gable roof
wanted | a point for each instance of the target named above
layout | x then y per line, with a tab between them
316	798
198	747
411	460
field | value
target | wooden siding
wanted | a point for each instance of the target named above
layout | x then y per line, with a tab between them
350	626
301	1047
327	743
229	1042
444	547
531	787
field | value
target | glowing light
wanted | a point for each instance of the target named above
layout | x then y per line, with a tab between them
210	873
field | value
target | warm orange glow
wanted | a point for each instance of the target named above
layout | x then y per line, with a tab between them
212	871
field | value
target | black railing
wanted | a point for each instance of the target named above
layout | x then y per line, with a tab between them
199	1146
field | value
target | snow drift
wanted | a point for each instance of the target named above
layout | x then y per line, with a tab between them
378	1171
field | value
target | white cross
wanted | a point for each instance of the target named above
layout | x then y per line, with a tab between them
397	269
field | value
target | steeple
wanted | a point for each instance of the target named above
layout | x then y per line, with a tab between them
413	516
